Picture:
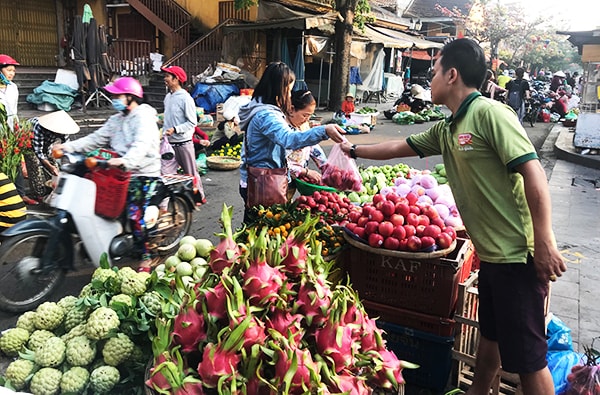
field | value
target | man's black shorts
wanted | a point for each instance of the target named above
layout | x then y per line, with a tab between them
511	312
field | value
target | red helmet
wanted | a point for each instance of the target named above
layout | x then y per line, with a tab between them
6	60
177	72
125	86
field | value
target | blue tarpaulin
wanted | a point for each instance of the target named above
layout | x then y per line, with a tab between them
61	95
208	96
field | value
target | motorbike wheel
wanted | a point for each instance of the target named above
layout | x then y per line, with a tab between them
23	287
172	225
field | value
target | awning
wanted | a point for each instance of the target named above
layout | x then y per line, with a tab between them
379	38
406	40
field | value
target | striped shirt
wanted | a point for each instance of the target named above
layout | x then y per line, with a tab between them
12	208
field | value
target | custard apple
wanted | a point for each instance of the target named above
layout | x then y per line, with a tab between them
117	349
80	351
101	322
153	302
121	298
18	371
74	380
38	338
26	321
52	353
13	340
132	283
67	302
48	315
45	381
78	330
102	274
104	378
88	290
75	316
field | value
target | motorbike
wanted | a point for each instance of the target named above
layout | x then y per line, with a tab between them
36	254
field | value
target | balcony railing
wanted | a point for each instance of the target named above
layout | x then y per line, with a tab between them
130	57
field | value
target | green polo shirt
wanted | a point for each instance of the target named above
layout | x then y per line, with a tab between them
481	146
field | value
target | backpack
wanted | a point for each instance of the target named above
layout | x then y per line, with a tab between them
515	98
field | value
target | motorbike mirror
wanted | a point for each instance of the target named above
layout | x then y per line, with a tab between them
167	156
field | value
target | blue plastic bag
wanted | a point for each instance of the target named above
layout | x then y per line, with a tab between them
560	364
559	336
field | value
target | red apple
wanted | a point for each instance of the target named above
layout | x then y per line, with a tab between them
397	219
353	216
444	240
402	208
391	243
403	246
386	228
430	211
432	231
439	222
359	231
392	197
366	209
410	230
412	219
388	208
376	215
413	243
419	230
427	242
377	198
371	227
399	232
424	220
412	198
350	226
451	231
375	240
362	221
415	209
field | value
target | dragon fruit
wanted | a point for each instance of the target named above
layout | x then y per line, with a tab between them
349	384
216	302
299	364
217	363
287	324
227	251
313	300
335	342
189	329
157	380
262	282
389	375
372	336
190	388
254	334
294	250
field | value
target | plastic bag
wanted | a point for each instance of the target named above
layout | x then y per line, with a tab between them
583	380
168	163
560	364
340	171
559	335
201	164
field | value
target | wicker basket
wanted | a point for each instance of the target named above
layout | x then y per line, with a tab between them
223	162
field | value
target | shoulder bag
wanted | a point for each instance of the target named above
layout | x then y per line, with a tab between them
266	187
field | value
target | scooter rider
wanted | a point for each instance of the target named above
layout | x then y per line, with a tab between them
133	134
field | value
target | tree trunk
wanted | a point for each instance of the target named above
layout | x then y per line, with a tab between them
340	69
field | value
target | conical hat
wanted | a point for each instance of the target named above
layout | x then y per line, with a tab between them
59	122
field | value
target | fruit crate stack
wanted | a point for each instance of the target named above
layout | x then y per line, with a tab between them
414	295
467	340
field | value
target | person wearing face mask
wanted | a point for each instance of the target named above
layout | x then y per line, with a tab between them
9	92
179	125
133	134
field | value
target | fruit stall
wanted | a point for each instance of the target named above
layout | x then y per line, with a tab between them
351	287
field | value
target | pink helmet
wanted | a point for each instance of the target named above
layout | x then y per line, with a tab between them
6	60
125	86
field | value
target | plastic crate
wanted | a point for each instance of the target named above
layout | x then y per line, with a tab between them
439	326
428	285
467	340
432	353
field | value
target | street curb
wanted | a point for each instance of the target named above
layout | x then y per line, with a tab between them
564	149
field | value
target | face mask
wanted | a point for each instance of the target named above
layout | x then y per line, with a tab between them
4	80
118	105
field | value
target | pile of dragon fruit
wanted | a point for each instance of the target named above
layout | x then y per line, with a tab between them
265	320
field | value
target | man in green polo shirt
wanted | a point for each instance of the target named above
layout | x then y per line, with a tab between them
502	194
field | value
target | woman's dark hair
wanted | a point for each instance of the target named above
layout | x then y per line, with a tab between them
274	86
301	99
467	57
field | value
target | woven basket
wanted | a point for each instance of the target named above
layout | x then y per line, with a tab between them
223	162
398	254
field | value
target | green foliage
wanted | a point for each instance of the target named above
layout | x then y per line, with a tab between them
243	4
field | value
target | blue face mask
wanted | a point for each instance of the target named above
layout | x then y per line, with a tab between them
4	80
118	105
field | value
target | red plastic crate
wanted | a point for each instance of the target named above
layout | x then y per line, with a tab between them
428	285
439	326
